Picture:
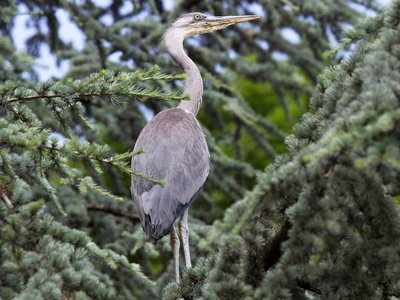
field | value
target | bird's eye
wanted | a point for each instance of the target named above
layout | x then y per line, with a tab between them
197	17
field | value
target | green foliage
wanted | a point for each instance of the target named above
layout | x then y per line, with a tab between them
12	63
318	222
334	192
42	258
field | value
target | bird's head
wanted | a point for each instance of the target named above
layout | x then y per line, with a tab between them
198	23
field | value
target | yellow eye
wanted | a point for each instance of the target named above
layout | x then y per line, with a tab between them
197	17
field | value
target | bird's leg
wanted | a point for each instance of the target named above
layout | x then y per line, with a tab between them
184	231
175	243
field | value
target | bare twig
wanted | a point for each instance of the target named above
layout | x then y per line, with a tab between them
79	154
114	211
44	96
7	200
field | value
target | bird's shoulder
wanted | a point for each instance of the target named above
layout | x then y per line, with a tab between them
173	123
172	117
173	137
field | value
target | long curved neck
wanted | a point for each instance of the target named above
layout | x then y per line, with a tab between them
173	41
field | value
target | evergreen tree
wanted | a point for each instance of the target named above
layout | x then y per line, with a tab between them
319	222
333	196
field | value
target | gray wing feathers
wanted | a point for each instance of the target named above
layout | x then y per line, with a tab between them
176	151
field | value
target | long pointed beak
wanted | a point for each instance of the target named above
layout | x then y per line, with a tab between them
230	20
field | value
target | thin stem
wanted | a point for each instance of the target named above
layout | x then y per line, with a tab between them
7	200
114	211
27	98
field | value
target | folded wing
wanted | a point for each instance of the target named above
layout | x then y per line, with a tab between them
176	151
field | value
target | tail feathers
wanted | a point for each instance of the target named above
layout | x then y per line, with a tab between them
157	229
156	232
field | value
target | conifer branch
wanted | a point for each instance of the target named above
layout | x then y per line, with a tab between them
50	96
112	210
362	31
104	84
113	259
96	153
88	182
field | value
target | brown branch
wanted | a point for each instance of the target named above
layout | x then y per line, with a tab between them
80	154
387	294
274	252
114	211
307	286
76	153
27	98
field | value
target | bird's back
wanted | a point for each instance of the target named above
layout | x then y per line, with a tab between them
175	151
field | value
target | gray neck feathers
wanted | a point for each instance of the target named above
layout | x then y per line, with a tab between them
173	40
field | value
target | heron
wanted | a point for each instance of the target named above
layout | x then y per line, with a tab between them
175	146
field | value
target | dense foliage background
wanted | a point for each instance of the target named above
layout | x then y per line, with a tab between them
302	212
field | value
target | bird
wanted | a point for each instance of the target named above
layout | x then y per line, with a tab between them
175	148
